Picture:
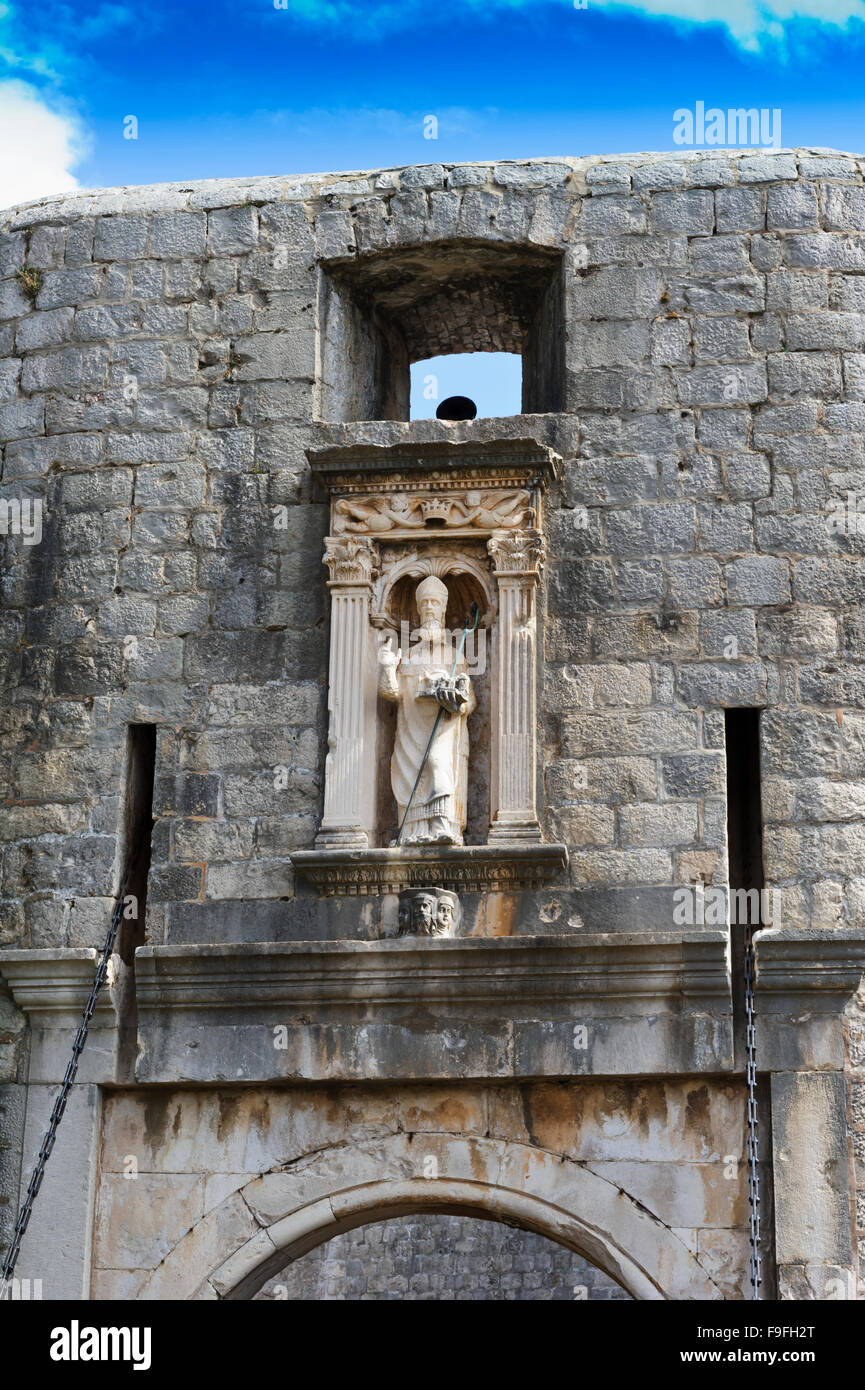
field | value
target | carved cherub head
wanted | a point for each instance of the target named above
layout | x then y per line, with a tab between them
445	913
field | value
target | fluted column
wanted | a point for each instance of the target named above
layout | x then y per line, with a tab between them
348	779
517	557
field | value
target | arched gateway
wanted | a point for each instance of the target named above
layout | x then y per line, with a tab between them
351	1185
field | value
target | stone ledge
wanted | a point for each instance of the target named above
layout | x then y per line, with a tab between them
436	1009
469	970
461	868
804	979
798	960
52	986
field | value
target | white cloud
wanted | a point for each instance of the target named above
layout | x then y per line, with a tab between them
750	22
39	146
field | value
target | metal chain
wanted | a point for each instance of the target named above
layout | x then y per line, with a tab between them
751	1080
62	1096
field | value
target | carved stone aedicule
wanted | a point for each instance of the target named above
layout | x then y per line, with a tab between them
433	563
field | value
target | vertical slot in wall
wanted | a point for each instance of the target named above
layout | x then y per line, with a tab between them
137	831
744	836
745	864
744	811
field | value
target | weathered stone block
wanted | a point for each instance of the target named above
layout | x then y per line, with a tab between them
739	210
792	207
723	384
659	529
843	208
120	238
684	214
603	216
729	295
731	683
232	231
658	824
758	580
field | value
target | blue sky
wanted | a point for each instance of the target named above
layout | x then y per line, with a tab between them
234	87
229	88
493	380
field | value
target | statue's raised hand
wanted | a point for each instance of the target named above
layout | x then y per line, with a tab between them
387	657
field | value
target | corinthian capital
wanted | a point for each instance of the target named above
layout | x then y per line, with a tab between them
351	559
516	552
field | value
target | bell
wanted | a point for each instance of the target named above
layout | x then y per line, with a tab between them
457	408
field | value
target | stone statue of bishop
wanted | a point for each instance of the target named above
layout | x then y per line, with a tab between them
423	681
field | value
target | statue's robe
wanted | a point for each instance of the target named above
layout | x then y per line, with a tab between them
443	786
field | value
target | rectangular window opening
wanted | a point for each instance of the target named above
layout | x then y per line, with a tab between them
387	316
137	832
490	382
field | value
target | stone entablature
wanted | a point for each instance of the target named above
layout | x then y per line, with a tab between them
490	868
604	1005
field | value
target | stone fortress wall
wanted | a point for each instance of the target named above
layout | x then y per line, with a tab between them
693	329
441	1259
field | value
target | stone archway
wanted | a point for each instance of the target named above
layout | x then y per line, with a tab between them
347	1185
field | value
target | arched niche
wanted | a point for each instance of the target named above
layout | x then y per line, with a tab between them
465	571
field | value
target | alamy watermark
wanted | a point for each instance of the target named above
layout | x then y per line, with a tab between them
847	517
20	1290
77	1343
737	126
442	646
699	906
21	516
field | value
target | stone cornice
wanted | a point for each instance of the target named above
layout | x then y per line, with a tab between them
435	1008
804	979
52	986
356	467
827	963
498	868
468	971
